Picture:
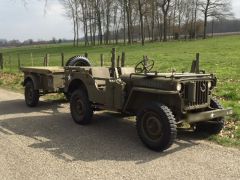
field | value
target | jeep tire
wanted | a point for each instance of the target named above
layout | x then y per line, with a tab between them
80	106
214	126
156	126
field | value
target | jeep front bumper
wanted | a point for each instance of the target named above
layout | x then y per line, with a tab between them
208	115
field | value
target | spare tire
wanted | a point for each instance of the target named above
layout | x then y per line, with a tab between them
78	61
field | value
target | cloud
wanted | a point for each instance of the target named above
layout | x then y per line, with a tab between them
23	22
236	8
18	21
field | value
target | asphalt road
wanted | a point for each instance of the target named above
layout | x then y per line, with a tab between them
44	143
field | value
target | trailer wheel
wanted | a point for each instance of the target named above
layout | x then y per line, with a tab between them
156	126
78	61
31	95
214	126
80	107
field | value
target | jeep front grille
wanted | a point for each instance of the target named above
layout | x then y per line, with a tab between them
195	95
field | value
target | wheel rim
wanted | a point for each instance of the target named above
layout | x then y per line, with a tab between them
79	108
152	126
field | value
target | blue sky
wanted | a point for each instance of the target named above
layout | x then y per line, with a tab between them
23	22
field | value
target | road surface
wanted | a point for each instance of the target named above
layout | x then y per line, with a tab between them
44	143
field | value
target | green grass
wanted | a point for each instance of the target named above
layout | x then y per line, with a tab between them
220	55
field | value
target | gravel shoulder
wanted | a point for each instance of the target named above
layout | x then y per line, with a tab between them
43	142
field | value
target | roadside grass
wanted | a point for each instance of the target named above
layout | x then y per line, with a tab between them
220	55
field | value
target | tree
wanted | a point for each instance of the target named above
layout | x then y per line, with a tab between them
140	8
128	7
165	6
214	8
71	13
111	20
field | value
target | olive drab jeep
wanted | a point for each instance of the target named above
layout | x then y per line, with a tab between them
160	101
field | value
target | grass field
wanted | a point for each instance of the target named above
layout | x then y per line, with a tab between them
220	55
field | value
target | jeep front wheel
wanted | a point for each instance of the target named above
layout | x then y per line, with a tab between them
31	95
80	107
214	126
156	126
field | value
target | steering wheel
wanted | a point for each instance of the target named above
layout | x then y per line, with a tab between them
144	66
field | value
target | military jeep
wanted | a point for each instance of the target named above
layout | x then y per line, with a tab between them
160	101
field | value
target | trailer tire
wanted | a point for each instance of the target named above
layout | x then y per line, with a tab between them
78	61
156	126
214	126
31	95
80	106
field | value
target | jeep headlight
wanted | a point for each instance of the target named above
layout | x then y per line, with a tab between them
209	84
179	86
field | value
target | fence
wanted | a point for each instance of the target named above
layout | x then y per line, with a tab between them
12	62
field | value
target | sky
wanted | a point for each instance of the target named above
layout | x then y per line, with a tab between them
22	22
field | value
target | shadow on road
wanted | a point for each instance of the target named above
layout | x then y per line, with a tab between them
18	106
107	138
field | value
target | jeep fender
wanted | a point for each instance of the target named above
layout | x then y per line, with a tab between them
138	96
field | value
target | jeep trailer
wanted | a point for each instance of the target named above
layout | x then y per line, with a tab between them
160	101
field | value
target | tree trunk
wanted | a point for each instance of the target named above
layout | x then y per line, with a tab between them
108	21
141	21
100	36
124	21
165	9
165	27
129	21
205	26
74	29
195	19
76	20
205	19
153	19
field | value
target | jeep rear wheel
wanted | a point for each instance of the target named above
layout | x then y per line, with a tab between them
80	107
156	126
214	126
31	95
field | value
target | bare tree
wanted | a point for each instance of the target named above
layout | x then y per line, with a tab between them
70	9
143	19
165	6
214	8
141	13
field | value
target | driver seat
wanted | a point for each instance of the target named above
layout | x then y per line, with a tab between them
126	70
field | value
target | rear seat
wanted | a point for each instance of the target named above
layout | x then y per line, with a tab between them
101	74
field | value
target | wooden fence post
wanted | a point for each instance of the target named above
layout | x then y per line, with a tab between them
118	61
19	62
123	59
113	58
10	63
44	60
1	61
86	55
197	62
47	59
31	56
62	57
102	60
